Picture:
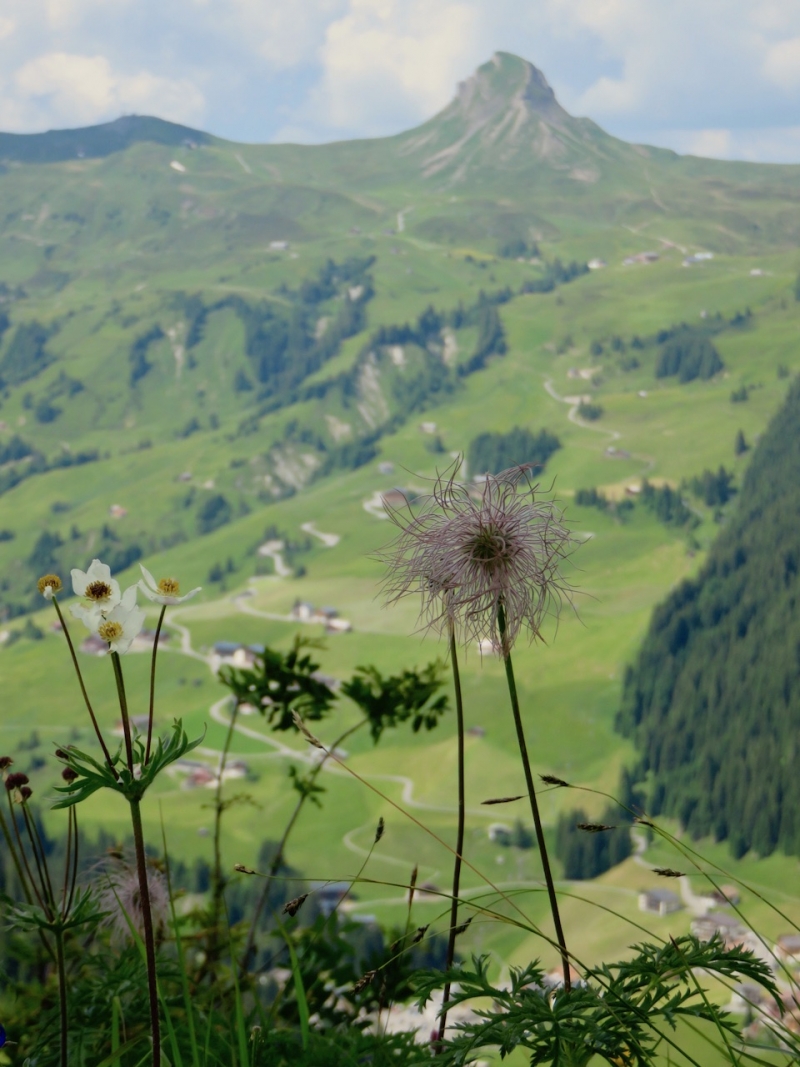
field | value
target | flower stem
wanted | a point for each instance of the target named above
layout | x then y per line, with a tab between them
10	846
451	941
62	994
147	923
123	708
86	700
141	868
218	880
153	684
537	822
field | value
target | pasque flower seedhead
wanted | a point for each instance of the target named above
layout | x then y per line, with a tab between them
472	554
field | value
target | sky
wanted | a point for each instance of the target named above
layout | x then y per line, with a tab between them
711	77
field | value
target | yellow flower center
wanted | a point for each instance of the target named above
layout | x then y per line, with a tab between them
98	591
49	581
110	631
169	587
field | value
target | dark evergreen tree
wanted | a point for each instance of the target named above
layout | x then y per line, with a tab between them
713	700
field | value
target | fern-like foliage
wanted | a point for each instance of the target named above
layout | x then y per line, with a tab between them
620	1012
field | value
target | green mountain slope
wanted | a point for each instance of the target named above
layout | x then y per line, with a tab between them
713	703
94	142
205	350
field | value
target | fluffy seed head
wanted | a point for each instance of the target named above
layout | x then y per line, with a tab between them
479	560
120	897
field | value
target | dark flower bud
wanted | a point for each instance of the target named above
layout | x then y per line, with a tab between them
14	781
61	754
5	762
26	793
69	775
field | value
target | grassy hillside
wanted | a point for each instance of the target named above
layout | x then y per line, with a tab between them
185	376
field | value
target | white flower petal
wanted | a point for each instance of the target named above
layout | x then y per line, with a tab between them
148	577
128	598
79	581
99	572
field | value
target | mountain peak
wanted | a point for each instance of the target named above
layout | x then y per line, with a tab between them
505	83
506	115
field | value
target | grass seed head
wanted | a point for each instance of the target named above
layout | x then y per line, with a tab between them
293	906
550	779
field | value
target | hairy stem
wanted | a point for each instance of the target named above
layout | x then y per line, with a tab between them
62	995
141	869
123	709
218	880
147	923
537	822
86	700
153	684
451	941
277	859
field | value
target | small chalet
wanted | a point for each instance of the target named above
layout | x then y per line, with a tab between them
659	901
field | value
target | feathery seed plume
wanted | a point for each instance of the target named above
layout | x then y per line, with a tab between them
468	558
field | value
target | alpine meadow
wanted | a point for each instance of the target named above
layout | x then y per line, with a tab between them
299	378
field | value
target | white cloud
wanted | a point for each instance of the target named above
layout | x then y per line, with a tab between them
330	68
772	144
394	56
782	63
78	89
286	34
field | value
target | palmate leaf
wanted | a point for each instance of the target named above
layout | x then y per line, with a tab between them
93	775
621	1012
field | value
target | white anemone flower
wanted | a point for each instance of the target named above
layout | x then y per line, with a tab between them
165	591
98	588
477	559
122	624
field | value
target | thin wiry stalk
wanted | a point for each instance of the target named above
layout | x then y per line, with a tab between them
141	868
451	939
277	859
153	684
147	924
218	880
62	995
14	856
123	708
41	860
76	665
523	751
75	853
23	854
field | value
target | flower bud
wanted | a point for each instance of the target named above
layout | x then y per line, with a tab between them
49	584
